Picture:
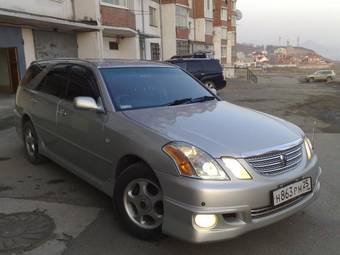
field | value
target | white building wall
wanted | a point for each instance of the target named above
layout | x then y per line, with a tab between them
217	42
28	39
169	30
128	48
152	30
208	13
90	44
54	8
87	10
200	30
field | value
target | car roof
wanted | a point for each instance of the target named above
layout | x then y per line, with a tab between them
105	63
190	59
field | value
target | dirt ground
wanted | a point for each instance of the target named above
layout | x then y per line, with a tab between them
312	106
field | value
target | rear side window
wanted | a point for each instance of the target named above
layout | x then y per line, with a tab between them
31	73
182	65
82	84
55	82
194	66
212	66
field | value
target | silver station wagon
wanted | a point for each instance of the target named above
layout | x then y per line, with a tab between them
173	156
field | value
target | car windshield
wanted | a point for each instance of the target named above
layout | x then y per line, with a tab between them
145	87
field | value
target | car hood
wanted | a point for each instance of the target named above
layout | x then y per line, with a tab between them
219	128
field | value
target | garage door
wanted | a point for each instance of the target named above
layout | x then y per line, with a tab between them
55	45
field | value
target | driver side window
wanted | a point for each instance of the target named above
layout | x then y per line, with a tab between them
81	83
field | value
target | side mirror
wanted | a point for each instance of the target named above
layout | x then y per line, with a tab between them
87	103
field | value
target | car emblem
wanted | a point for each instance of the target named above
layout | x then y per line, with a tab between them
283	159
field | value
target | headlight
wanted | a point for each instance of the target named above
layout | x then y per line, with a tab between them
309	148
193	162
236	168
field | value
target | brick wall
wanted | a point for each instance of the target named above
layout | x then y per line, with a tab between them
209	39
182	33
198	8
117	17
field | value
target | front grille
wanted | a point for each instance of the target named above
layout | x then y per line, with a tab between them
277	162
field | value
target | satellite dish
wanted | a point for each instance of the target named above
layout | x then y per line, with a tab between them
239	15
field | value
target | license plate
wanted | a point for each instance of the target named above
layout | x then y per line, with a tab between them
291	191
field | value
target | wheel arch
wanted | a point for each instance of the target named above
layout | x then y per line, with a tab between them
126	161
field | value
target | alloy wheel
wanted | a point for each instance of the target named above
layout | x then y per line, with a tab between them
143	202
30	142
209	84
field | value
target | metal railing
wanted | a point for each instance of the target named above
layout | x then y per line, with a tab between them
251	76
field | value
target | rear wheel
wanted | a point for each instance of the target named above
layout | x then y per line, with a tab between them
210	84
329	79
31	144
139	201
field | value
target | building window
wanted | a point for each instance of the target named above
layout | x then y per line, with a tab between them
153	16
181	16
224	33
182	47
224	14
224	51
209	27
155	52
113	45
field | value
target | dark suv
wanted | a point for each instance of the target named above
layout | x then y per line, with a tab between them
208	71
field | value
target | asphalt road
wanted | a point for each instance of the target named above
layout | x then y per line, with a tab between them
85	221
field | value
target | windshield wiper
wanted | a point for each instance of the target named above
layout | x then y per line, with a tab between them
190	100
202	99
180	101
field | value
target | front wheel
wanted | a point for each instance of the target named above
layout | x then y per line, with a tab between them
139	201
31	144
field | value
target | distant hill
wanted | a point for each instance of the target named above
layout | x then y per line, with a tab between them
298	52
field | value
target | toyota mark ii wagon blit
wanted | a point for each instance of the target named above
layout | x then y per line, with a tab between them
174	157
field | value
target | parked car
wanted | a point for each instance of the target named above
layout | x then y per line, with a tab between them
208	71
175	158
324	75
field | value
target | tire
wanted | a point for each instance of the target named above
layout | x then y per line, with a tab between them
31	144
329	79
209	84
139	202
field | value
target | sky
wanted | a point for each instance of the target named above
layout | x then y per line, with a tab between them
316	22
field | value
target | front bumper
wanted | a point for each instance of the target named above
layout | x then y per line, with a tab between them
234	204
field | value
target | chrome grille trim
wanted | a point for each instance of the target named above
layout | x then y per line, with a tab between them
277	162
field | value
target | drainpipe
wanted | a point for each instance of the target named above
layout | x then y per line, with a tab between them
143	30
161	29
73	10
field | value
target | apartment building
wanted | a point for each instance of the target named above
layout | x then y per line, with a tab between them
200	25
34	29
127	29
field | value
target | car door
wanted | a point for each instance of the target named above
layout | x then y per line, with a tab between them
45	99
319	76
83	141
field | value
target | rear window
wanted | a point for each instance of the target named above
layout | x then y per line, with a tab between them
30	74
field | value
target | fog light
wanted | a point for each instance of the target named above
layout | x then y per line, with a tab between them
205	220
